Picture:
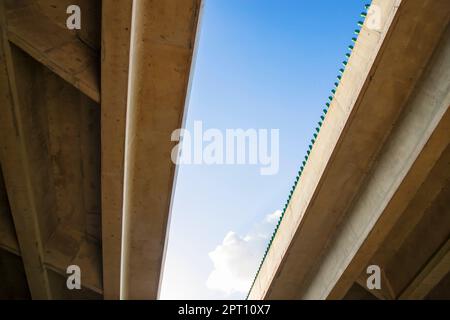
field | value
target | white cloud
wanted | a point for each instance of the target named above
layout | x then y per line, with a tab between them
273	218
237	258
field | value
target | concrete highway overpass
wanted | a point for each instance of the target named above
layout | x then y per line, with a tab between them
86	176
375	189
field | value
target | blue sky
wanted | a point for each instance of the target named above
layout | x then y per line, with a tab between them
262	64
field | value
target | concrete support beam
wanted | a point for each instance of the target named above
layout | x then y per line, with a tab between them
55	47
374	90
422	227
435	270
116	25
8	238
160	66
416	146
116	30
385	293
22	169
68	246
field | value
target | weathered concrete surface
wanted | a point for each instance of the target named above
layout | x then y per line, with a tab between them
163	39
415	146
54	46
116	24
421	228
431	277
21	168
382	73
12	276
50	151
54	187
